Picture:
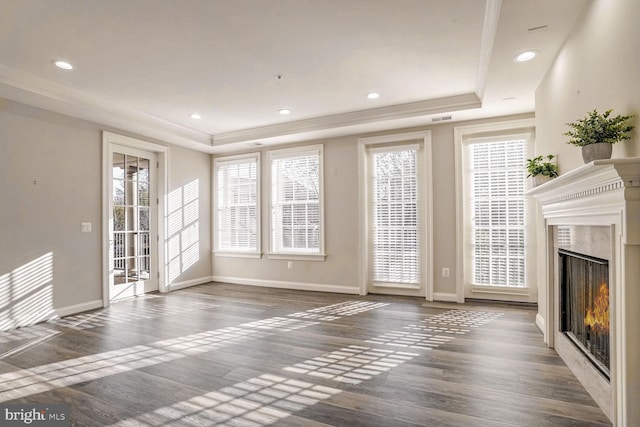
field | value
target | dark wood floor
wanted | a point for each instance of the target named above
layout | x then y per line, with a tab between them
221	354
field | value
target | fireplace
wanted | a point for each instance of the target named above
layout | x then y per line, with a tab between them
589	295
584	306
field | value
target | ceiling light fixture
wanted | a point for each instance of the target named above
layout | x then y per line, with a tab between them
284	111
196	116
373	95
62	64
525	56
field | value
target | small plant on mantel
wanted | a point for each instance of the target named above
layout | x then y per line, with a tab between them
596	133
596	127
541	169
542	165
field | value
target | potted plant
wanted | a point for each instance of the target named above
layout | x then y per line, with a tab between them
597	132
541	169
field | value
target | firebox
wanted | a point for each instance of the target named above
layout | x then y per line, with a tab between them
584	305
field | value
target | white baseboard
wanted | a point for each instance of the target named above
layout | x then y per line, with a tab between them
78	308
445	297
188	283
540	322
299	286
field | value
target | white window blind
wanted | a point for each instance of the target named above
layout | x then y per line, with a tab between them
396	255
236	205
497	179
296	202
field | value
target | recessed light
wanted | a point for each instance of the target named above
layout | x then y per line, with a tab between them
196	116
284	111
525	56
373	95
62	64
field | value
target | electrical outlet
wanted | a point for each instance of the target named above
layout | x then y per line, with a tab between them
446	272
86	227
290	265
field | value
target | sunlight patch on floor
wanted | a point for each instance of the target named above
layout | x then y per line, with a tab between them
352	364
348	308
26	382
116	314
436	330
464	318
281	324
411	340
255	402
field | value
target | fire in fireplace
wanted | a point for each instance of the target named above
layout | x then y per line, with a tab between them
584	305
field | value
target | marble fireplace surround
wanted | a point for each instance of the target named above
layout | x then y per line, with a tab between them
601	193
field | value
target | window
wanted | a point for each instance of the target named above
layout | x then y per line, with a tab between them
237	217
396	255
297	202
496	256
395	207
497	205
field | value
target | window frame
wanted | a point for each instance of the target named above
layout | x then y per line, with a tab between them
285	153
464	136
365	144
227	160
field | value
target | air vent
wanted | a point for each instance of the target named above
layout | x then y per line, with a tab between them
440	119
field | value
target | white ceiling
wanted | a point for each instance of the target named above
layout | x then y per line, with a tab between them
146	65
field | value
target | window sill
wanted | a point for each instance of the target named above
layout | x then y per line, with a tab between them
256	255
501	290
297	257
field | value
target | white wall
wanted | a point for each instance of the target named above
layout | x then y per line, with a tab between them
50	182
189	237
598	67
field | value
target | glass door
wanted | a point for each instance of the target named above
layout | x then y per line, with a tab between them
394	210
132	230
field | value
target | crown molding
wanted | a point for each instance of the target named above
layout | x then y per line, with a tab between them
489	30
23	87
344	120
27	88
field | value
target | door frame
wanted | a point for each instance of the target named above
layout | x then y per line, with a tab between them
162	185
426	206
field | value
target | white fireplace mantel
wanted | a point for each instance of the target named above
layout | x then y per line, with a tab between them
600	193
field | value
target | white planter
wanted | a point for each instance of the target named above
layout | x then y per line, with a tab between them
540	179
